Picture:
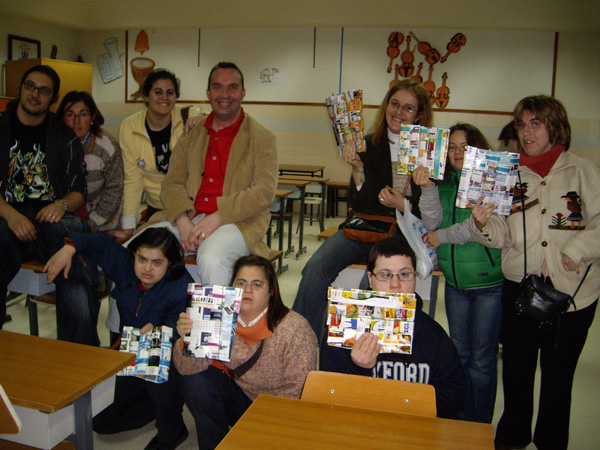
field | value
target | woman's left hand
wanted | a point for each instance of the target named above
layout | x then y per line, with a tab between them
391	198
482	213
51	213
569	264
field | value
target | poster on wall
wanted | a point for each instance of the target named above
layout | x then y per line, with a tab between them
477	70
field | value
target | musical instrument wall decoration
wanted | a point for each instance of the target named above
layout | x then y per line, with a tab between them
432	56
430	85
394	40
418	78
407	67
457	41
443	93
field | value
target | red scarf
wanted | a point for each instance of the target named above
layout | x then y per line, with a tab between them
541	164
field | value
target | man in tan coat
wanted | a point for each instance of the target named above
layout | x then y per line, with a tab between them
221	181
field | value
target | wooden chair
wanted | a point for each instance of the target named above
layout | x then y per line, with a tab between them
11	424
376	394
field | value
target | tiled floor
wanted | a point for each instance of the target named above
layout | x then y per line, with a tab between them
586	396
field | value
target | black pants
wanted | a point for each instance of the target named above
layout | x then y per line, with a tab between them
521	345
216	402
138	402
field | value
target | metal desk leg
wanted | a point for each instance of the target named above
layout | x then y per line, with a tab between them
433	292
280	267
84	436
322	209
301	249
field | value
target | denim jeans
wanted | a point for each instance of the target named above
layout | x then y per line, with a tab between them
76	297
216	402
474	319
320	271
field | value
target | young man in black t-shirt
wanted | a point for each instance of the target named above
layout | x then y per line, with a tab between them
42	182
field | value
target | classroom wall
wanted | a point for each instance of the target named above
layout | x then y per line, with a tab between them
303	132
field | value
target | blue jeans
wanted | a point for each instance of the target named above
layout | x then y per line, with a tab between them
320	271
76	297
474	319
216	402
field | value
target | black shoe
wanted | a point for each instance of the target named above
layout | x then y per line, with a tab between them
8	318
155	444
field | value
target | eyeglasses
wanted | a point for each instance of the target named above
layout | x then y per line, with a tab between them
43	90
81	116
457	148
396	105
255	285
387	276
532	124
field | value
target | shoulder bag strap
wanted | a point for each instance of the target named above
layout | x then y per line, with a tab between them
245	367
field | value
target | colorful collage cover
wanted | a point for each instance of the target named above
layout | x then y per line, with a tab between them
345	114
214	311
153	353
353	312
491	174
423	146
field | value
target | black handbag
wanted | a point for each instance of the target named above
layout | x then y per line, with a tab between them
538	303
369	228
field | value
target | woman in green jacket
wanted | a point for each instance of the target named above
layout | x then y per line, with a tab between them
473	277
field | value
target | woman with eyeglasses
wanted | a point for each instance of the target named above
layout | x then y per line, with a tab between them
473	288
375	188
102	211
562	221
279	344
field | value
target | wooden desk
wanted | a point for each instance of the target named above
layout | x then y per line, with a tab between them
299	183
323	182
276	422
47	375
300	169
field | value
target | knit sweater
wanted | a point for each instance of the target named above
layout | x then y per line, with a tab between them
104	181
284	363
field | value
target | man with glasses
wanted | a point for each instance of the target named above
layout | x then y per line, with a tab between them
42	183
391	267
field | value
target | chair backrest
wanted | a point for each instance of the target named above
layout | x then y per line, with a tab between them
9	421
375	394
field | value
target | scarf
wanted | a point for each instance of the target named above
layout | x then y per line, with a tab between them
541	164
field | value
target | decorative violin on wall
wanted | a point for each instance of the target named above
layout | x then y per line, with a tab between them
407	67
394	40
457	41
443	93
418	78
431	54
430	85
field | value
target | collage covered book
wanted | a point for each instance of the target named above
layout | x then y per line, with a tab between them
490	174
345	114
153	351
214	310
353	312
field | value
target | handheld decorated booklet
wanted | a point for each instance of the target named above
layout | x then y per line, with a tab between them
345	114
214	310
353	312
490	174
423	146
153	351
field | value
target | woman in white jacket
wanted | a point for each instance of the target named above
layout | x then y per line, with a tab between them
562	216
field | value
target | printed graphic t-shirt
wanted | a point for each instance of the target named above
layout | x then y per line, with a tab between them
161	144
28	179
